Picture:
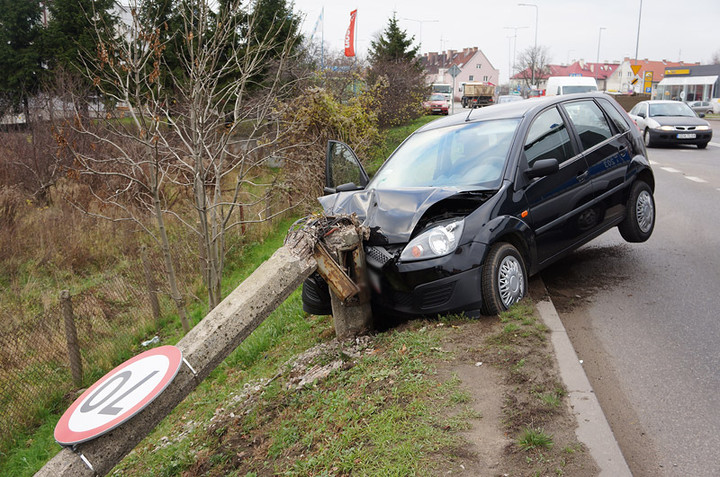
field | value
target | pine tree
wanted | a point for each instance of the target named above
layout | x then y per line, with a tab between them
398	76
20	46
393	45
71	31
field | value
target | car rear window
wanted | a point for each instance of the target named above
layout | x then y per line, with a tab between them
618	119
589	122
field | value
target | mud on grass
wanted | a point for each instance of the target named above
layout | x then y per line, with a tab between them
536	413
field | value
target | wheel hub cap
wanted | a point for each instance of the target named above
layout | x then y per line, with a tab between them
511	281
644	211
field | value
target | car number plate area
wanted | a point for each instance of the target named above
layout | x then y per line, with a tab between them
686	136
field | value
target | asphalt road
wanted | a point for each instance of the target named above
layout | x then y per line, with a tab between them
645	320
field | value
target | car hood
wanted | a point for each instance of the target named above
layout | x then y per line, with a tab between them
391	215
679	121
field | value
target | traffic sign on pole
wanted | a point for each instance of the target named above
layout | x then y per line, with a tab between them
119	395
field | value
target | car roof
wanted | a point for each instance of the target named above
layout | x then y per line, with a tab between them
512	110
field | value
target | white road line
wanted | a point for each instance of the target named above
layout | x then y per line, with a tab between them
653	163
716	144
669	169
695	179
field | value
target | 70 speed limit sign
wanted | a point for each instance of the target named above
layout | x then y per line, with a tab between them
119	395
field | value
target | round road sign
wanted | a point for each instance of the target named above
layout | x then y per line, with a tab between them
119	395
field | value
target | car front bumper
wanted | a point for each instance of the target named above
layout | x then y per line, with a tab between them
680	137
441	286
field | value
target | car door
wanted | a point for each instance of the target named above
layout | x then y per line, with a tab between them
343	171
606	147
554	201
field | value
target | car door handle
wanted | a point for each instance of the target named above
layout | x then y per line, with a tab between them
582	176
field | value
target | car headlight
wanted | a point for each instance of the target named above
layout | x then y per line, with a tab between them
703	128
435	242
666	128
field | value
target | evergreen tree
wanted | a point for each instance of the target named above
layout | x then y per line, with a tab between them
393	45
71	31
20	46
398	76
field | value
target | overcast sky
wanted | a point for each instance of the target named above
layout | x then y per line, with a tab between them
669	29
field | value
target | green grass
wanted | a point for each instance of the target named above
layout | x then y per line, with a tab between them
534	439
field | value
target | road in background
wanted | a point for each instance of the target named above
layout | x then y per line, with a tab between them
644	318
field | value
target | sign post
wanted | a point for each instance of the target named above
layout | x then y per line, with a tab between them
454	71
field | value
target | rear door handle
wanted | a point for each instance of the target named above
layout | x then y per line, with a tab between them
582	176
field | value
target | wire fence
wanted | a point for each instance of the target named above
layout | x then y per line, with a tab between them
111	319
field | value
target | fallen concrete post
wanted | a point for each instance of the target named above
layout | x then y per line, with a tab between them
341	259
204	348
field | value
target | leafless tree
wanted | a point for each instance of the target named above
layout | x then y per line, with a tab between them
203	135
532	63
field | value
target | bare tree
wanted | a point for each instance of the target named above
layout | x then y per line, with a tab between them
201	136
532	64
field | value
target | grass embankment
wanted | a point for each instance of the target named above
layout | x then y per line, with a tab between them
293	401
86	262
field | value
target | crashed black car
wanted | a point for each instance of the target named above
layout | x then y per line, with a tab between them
469	206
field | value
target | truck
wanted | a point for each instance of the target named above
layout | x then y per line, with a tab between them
444	89
477	95
570	84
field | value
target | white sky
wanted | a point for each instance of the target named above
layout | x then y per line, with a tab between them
670	29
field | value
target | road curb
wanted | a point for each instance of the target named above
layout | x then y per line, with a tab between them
593	429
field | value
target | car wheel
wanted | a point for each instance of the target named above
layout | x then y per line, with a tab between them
640	214
702	145
646	138
504	279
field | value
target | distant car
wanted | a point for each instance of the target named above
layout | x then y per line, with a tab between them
437	104
471	205
701	107
670	122
508	98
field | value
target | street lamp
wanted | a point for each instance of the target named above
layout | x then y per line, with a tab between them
421	22
599	36
536	29
512	68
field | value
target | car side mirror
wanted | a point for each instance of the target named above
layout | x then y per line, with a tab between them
542	168
642	115
701	115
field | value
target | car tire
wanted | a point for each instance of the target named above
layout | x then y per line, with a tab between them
504	279
702	145
647	139
639	219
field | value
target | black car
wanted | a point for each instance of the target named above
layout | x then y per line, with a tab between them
470	205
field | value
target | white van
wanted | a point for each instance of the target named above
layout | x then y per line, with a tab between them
569	84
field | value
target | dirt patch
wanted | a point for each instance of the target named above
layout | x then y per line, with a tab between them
478	386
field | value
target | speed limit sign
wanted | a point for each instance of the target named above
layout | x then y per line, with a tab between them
119	395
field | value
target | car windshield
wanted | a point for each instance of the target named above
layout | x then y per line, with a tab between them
456	156
671	109
437	97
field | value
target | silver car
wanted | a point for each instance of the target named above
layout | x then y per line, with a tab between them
670	122
701	107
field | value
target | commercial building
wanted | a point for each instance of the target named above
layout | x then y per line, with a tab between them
690	83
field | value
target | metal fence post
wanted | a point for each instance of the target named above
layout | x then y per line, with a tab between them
71	337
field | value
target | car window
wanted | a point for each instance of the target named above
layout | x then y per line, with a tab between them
618	119
548	138
589	122
471	154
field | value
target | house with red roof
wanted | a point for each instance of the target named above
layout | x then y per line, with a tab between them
473	64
